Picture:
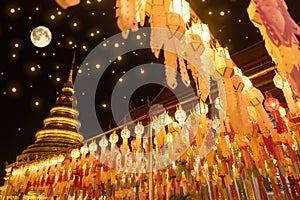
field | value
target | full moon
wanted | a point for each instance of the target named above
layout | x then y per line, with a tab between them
40	36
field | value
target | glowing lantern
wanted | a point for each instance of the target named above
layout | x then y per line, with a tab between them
75	153
125	133
113	138
223	62
53	160
60	158
182	8
139	129
168	119
155	123
201	108
64	4
84	149
238	83
247	83
180	115
93	147
279	81
271	104
202	30
103	142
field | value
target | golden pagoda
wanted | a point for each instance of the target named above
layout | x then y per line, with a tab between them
60	131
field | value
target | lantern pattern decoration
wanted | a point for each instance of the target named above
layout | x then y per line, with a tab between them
64	4
126	14
272	105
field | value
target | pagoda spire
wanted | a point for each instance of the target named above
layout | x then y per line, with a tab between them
61	127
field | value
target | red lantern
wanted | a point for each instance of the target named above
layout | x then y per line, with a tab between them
271	104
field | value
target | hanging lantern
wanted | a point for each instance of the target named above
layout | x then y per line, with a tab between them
223	62
218	103
125	134
271	104
75	153
279	81
201	108
238	83
139	129
103	142
161	120
93	147
202	30
84	149
64	4
155	123
53	161
173	127
60	158
180	115
182	8
113	138
247	83
168	119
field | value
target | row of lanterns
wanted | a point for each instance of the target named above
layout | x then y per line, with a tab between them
162	120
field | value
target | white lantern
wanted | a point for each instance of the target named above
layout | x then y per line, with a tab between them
218	103
93	147
182	8
180	115
103	142
125	133
279	81
84	149
201	108
202	30
139	129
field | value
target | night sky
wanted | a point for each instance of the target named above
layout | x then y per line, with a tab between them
31	77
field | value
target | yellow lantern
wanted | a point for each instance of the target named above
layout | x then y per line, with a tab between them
224	64
60	158
84	149
75	153
201	108
113	138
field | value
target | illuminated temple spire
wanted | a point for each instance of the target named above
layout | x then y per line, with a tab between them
60	131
